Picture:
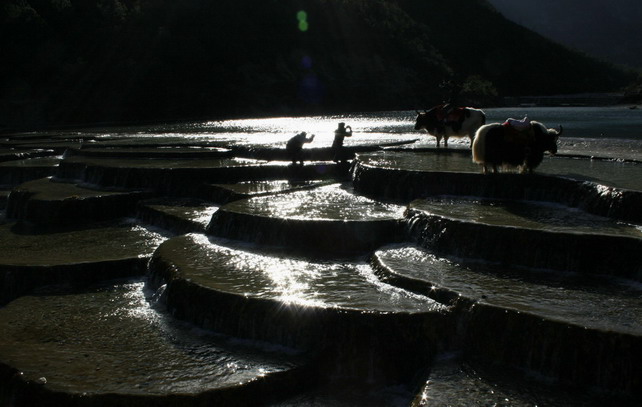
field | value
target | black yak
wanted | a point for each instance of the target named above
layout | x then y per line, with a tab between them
498	144
444	122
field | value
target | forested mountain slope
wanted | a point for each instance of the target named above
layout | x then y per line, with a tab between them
611	30
88	61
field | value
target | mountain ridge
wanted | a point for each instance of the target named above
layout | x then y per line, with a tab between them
607	30
87	61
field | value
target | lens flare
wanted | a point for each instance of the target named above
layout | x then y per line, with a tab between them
302	16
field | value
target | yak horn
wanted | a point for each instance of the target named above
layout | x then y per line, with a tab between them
559	132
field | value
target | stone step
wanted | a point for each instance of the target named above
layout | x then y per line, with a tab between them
405	177
58	146
623	175
4	197
576	330
108	346
11	154
149	151
527	234
452	383
16	172
363	327
177	215
347	152
224	193
76	257
185	177
328	219
45	202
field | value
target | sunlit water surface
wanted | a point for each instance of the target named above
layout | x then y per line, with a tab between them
68	336
97	243
246	270
331	202
602	131
109	340
530	215
585	301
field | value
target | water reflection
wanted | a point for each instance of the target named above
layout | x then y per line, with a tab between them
421	161
248	270
591	302
98	243
331	202
77	342
616	173
614	132
532	215
63	338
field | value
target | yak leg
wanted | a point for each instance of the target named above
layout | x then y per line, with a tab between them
438	139
445	141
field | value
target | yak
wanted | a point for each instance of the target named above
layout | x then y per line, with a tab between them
443	121
502	144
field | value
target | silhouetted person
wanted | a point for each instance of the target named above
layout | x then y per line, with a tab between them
340	134
294	146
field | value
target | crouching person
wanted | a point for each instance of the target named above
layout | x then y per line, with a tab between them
294	147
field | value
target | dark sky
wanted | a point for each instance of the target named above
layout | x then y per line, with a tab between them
611	30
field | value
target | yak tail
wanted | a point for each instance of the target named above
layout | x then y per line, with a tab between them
479	142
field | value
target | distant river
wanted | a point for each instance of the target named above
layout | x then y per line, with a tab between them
614	132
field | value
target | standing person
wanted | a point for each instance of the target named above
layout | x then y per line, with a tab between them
340	133
294	147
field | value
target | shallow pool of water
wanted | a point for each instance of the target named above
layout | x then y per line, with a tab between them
331	202
109	340
587	302
531	215
246	270
100	242
618	174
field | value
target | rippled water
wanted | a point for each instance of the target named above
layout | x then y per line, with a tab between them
109	340
111	241
606	131
584	301
332	202
531	215
246	270
613	132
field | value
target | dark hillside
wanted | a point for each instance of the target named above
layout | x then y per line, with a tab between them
476	39
88	61
610	30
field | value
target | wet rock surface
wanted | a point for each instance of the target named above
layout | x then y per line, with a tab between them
308	303
15	172
107	345
528	235
259	282
551	323
45	202
415	176
32	258
330	219
176	215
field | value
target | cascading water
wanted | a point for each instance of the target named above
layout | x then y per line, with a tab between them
477	294
527	235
